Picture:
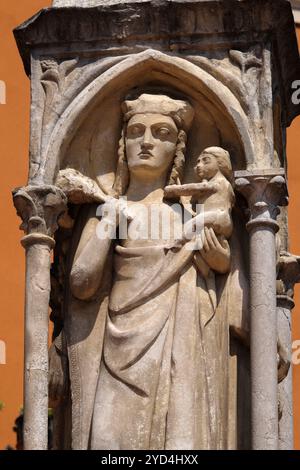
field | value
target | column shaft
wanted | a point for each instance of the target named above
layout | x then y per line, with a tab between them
36	344
263	338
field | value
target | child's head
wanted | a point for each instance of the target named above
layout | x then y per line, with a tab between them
212	160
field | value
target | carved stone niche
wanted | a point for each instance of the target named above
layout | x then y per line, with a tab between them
234	63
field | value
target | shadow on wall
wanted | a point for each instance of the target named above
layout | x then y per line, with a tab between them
18	429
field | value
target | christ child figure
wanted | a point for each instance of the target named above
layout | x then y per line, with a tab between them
213	191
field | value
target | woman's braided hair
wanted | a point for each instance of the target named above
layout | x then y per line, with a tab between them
176	175
122	174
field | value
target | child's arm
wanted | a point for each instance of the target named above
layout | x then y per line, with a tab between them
192	189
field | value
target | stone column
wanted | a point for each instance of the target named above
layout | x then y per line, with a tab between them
39	208
288	275
264	191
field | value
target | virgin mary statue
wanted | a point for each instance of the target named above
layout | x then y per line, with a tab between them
145	331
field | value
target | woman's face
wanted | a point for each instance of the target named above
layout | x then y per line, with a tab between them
151	141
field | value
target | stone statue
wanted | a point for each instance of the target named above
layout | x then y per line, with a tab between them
162	312
152	347
214	191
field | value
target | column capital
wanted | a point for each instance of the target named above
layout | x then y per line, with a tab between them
39	208
265	191
288	275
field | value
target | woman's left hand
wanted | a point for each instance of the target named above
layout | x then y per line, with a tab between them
216	253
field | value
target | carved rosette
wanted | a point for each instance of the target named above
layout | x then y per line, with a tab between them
265	192
39	208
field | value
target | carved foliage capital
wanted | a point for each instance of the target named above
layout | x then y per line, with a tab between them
39	208
288	274
265	192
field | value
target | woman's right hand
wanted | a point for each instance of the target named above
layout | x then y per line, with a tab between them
216	253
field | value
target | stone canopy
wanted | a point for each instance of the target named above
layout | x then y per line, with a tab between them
173	25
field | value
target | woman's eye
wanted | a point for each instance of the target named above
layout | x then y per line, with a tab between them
135	130
163	131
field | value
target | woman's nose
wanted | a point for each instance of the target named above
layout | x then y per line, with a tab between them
148	138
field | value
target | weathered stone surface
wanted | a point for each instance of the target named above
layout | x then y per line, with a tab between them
40	209
288	275
213	191
127	100
153	146
175	25
90	3
264	192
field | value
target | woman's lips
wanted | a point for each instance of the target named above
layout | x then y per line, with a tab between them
145	155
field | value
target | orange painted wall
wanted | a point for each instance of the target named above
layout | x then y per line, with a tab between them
14	134
14	141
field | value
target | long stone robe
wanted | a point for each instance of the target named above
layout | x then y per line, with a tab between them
148	356
161	370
